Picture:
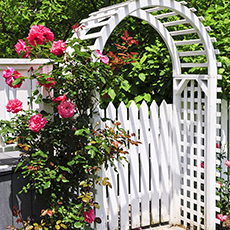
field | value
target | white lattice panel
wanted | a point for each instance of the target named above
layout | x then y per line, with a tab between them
193	140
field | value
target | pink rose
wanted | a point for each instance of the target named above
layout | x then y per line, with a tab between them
89	216
14	106
221	217
39	34
60	98
219	183
21	46
66	109
37	122
227	163
202	165
46	32
35	37
103	58
8	72
10	75
48	85
58	47
217	145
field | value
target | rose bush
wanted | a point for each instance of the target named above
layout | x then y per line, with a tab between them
61	150
223	191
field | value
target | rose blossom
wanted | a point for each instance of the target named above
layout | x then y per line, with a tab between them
227	163
103	58
46	32
66	109
10	75
39	34
58	47
8	72
89	216
21	46
221	217
14	106
37	122
60	98
219	183
48	85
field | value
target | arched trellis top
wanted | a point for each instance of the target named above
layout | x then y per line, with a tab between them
109	17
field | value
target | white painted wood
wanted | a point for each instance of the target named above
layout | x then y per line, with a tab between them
188	42
153	9
100	196
183	3
154	159
192	53
134	170
113	198
123	175
95	25
199	147
112	175
224	132
193	9
91	36
164	162
219	64
144	160
174	23
182	32
191	65
160	16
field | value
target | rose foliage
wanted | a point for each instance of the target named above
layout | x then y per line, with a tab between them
62	151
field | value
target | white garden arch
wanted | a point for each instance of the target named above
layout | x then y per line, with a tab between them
194	101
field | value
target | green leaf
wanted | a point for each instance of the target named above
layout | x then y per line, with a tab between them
77	224
17	81
79	132
36	92
64	168
71	162
125	85
112	93
92	153
47	184
142	76
147	97
143	59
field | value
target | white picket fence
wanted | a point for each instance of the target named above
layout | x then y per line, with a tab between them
141	189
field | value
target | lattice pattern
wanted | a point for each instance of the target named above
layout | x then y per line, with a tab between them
193	138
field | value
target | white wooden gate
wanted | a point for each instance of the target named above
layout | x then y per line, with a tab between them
141	189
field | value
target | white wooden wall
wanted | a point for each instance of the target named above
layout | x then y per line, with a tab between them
141	189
